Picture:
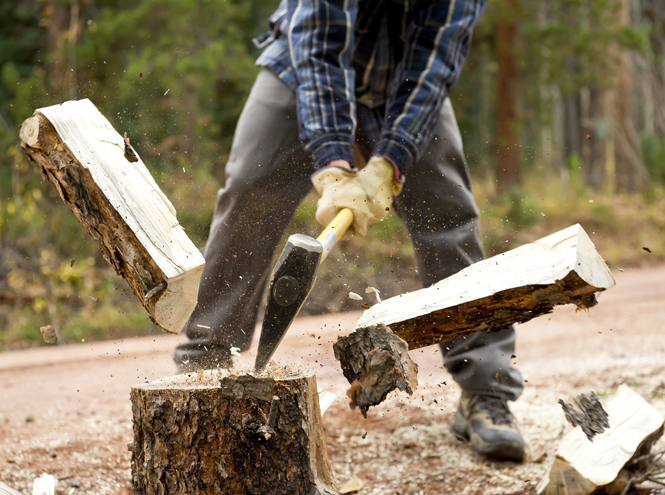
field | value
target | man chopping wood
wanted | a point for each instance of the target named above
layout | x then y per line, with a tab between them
371	76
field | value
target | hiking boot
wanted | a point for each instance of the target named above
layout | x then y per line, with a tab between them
487	422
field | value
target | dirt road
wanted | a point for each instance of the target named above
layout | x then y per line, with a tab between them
65	410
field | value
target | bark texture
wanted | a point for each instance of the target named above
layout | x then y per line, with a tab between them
375	361
496	312
215	433
74	183
115	198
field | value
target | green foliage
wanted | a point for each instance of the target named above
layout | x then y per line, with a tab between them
653	152
566	46
618	225
174	75
179	95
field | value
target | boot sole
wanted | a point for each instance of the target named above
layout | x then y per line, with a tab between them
496	452
502	453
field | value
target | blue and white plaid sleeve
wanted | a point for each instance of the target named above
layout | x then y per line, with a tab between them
321	36
437	42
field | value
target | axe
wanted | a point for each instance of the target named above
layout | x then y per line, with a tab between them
292	280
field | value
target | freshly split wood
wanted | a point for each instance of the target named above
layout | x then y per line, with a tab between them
488	296
582	467
112	193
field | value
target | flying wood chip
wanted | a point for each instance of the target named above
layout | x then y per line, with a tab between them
49	334
587	412
129	151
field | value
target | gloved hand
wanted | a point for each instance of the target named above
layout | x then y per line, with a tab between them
341	189
380	185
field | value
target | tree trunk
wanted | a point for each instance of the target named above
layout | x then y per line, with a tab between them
113	195
572	111
654	11
507	164
594	166
212	432
630	172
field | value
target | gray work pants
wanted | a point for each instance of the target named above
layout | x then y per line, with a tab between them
268	175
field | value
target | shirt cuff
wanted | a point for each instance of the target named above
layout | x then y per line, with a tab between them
331	147
397	150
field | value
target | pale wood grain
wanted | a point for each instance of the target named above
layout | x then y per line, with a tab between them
121	206
512	287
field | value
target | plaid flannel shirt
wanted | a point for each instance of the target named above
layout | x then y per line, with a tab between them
390	62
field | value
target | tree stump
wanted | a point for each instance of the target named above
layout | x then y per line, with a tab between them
213	432
111	192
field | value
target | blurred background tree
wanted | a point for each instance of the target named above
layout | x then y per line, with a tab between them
561	105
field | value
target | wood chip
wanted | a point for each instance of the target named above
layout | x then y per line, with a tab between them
376	292
49	334
351	486
129	151
44	485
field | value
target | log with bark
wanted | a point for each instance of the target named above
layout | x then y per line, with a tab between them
111	192
583	467
488	296
215	432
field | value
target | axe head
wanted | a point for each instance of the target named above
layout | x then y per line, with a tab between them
291	282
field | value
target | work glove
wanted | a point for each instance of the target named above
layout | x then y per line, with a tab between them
380	185
341	189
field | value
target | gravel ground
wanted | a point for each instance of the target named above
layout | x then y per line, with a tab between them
65	410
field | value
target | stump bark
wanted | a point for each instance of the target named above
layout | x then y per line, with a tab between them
213	432
111	192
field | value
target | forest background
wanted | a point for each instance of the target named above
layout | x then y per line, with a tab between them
561	106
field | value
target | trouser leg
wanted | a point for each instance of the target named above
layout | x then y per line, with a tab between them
441	216
267	176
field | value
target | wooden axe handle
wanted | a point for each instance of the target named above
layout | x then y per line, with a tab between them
335	230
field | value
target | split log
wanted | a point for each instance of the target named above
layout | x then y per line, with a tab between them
582	467
376	362
5	490
513	287
115	198
214	432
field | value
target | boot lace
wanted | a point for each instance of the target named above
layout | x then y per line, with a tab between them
497	408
